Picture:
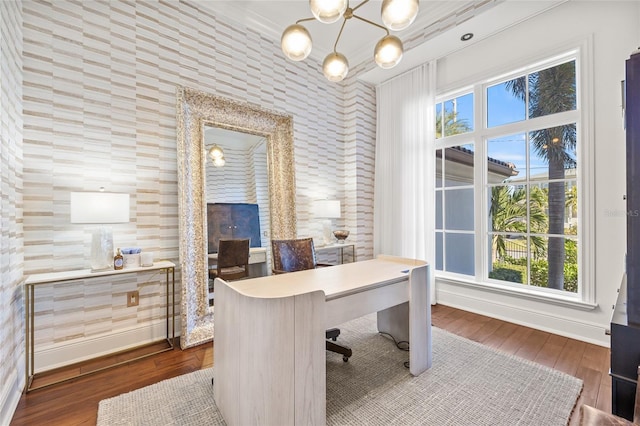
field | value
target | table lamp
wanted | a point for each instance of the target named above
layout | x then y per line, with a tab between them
327	209
100	208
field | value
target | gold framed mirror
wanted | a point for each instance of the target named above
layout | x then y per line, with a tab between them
195	110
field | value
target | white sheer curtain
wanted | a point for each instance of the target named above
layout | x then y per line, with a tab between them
404	198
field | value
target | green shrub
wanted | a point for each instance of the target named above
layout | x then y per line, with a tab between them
539	273
508	272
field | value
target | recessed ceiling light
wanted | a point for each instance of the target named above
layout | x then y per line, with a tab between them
466	37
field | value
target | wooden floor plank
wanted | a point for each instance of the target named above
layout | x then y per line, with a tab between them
76	402
501	334
551	350
569	359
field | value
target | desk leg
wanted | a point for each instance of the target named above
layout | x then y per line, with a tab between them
420	355
411	321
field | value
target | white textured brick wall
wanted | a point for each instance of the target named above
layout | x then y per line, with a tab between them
11	227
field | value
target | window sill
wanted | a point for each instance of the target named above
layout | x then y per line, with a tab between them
567	301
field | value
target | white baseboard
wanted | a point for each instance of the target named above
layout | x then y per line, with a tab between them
10	397
80	350
556	324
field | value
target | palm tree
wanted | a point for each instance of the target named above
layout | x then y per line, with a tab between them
551	91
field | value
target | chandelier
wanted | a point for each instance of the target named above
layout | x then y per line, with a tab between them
396	15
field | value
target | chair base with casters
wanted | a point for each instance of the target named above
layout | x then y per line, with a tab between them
333	334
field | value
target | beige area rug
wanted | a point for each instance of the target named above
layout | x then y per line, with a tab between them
469	384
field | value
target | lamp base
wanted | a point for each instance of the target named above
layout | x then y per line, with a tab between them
327	235
102	249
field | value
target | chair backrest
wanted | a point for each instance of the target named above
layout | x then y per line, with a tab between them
293	255
233	253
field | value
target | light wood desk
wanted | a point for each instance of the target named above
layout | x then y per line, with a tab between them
269	351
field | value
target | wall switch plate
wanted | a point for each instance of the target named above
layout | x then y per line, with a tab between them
133	298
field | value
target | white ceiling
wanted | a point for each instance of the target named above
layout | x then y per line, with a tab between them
358	38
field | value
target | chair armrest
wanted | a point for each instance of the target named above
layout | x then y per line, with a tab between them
278	271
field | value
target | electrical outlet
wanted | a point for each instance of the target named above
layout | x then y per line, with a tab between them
133	298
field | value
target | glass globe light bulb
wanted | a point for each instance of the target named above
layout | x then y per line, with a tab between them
388	52
219	162
335	67
215	152
399	14
296	42
328	11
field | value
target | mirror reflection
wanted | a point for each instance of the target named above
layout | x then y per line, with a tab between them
237	196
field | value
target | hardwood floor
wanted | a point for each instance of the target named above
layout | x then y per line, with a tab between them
76	402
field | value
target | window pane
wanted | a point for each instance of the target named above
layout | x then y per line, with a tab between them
505	102
508	209
552	90
571	266
458	115
458	211
558	268
539	209
439	168
438	209
553	152
458	165
454	116
507	158
509	258
460	253
439	251
439	120
553	208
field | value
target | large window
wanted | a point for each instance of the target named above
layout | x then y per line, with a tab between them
507	187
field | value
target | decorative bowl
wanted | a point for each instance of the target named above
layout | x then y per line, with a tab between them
341	235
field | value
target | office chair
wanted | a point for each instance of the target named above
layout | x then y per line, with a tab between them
299	255
233	260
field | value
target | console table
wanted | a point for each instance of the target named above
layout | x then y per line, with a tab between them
54	277
339	247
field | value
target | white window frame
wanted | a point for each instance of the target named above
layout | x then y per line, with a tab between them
581	52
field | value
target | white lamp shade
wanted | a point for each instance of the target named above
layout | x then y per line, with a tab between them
99	207
327	208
